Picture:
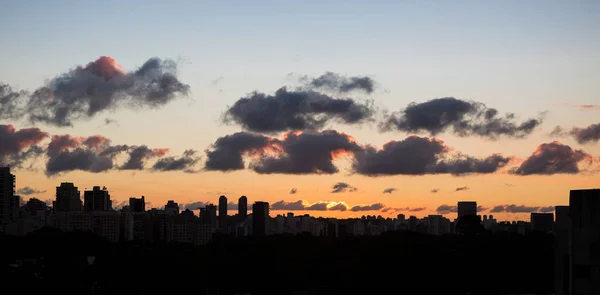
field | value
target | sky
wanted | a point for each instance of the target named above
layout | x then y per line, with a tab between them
468	94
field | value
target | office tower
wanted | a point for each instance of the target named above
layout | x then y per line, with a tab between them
401	217
68	198
243	207
223	213
584	210
171	208
208	215
260	217
561	247
97	200
542	222
137	205
467	208
7	196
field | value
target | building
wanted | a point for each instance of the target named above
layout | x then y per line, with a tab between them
584	236
208	215
137	205
467	208
437	225
68	198
171	208
243	207
561	246
542	222
106	224
260	218
97	200
7	197
223	213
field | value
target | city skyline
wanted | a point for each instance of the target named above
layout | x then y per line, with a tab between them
193	124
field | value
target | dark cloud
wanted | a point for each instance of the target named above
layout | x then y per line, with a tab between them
420	155
226	154
589	134
294	110
26	191
339	207
463	118
10	101
109	121
194	205
446	209
17	146
512	208
336	83
299	206
435	190
138	155
293	191
417	209
306	153
185	163
553	158
389	190
462	188
101	85
369	207
343	187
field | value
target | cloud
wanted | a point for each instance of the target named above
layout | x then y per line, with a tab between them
340	206
121	205
26	191
294	110
584	107
368	207
226	154
512	208
343	187
589	134
293	191
194	205
337	83
306	153
101	85
185	163
138	155
462	188
553	158
435	190
302	206
389	190
419	156
463	118
446	209
109	121
10	101
17	146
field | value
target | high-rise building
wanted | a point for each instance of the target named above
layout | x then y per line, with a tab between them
137	205
260	218
208	215
243	207
223	213
562	263
584	252
68	198
171	208
7	197
542	222
97	200
467	208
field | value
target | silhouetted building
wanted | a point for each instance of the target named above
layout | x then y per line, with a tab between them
467	208
243	207
584	210
137	205
68	198
97	200
223	213
542	222
7	197
171	208
562	260
260	217
208	215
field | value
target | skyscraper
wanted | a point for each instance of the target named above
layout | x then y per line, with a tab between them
260	218
223	213
7	196
97	200
208	215
68	198
467	208
243	207
137	205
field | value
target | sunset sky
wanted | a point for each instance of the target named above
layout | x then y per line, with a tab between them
111	84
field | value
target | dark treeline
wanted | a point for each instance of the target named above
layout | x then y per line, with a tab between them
400	262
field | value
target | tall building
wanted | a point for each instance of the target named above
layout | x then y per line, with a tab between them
137	205
542	222
7	197
584	252
467	208
97	200
68	198
223	213
243	207
208	215
260	218
562	263
172	208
